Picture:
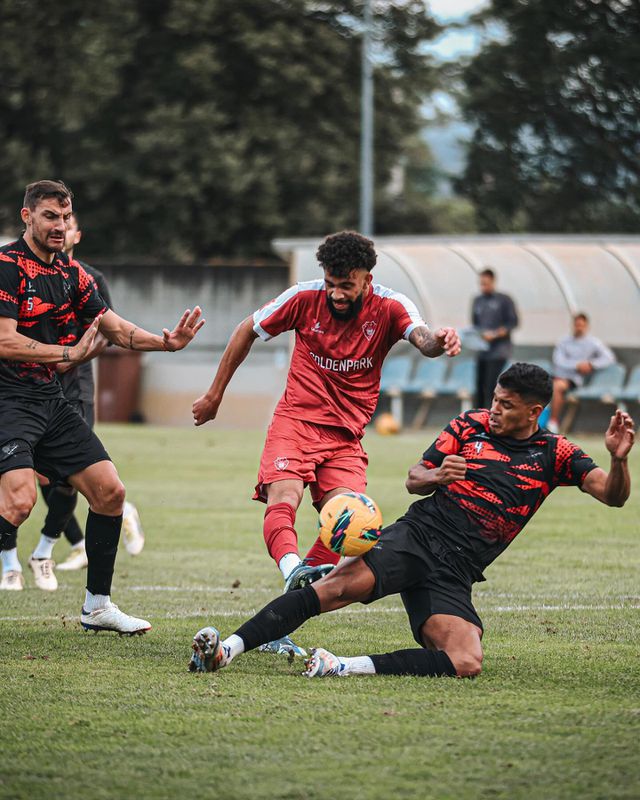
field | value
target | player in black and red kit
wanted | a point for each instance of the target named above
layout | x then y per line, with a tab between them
42	294
485	476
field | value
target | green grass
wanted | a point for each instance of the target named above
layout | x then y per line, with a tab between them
555	714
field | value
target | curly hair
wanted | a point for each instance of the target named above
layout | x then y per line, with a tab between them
530	381
343	252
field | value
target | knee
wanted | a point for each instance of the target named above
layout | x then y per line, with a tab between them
467	665
20	505
110	499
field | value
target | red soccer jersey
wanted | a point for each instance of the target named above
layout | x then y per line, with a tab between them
334	376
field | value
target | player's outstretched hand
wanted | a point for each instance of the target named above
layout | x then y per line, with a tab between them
204	409
620	435
449	341
81	350
190	323
453	468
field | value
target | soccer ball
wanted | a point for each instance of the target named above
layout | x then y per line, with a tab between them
386	425
350	524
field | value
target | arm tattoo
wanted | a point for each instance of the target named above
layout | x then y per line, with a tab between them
32	345
131	347
424	340
65	353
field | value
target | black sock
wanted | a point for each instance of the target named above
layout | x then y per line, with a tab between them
62	501
103	535
8	535
417	661
280	617
73	532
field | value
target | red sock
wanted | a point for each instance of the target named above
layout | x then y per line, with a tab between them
279	533
319	554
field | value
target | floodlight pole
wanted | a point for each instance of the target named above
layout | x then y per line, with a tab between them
366	128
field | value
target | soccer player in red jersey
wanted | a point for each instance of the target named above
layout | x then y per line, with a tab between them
483	478
345	325
42	295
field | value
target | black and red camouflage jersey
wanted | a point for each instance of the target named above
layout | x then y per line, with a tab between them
506	482
47	300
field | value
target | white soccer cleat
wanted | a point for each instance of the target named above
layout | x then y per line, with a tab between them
208	654
322	664
111	618
42	569
77	559
12	581
132	529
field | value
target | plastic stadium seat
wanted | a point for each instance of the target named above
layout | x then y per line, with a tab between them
604	386
630	392
426	382
460	382
394	380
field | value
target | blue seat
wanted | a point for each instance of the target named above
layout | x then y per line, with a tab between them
460	382
396	372
426	382
630	392
428	377
603	385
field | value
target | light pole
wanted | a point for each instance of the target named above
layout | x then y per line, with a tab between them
366	128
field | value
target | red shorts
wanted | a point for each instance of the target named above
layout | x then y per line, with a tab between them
321	456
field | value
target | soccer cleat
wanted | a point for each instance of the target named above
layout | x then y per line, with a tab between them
322	664
306	574
12	581
132	530
77	559
111	618
208	653
42	569
284	646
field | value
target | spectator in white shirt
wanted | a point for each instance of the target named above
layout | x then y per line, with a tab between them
575	357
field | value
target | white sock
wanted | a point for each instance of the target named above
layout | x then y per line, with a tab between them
44	548
10	561
92	602
288	563
232	646
358	665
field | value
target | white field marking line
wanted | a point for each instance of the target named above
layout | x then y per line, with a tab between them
479	597
349	610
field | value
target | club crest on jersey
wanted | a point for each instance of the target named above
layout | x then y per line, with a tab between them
369	328
281	463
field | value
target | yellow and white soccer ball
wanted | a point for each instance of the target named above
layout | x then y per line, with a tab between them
350	524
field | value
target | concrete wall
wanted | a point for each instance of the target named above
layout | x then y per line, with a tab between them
155	297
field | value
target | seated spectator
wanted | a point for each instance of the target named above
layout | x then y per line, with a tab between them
575	357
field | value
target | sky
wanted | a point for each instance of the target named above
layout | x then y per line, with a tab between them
456	43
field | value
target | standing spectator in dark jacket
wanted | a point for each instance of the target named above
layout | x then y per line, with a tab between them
494	316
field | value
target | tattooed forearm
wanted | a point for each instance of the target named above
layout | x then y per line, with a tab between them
426	342
32	345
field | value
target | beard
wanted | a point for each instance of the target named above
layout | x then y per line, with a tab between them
352	310
46	246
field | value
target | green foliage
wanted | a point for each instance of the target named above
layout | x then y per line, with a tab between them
554	714
556	109
193	128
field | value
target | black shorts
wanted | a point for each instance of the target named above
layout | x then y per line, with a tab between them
405	563
49	436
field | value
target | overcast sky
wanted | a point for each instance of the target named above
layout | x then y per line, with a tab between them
455	43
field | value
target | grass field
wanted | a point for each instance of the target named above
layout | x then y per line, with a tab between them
555	714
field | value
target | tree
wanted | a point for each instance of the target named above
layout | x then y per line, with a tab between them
193	128
556	109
